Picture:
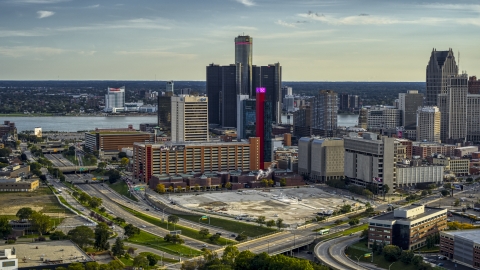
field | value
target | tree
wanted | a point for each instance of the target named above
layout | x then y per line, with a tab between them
102	165
95	202
229	255
92	266
76	266
113	176
407	256
115	265
124	162
173	238
270	223
118	247
170	189
179	188
364	233
260	220
270	183
214	237
23	157
392	253
346	208
101	237
58	235
173	219
417	260
264	182
424	193
5	227
40	222
386	189
122	155
283	182
140	261
152	259
353	222
447	185
160	188
82	236
131	230
228	185
204	233
279	223
24	213
457	202
469	180
241	237
244	260
445	193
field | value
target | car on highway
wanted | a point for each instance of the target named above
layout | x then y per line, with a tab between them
147	209
143	226
233	235
204	245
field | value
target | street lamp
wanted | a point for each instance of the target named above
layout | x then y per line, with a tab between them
390	265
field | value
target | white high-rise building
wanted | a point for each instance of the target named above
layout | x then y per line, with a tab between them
115	100
288	103
189	119
428	124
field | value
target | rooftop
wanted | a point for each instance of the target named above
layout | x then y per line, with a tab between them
213	143
473	235
390	215
30	255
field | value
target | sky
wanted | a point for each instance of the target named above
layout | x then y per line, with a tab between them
323	40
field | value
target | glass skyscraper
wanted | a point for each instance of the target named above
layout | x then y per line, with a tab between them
243	56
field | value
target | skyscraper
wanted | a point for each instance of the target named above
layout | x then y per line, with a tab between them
169	89
228	106
243	56
189	119
453	108
214	88
428	124
115	100
325	109
164	103
270	77
440	68
408	104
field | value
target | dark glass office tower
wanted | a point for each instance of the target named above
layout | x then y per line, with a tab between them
228	105
214	87
271	79
440	68
243	56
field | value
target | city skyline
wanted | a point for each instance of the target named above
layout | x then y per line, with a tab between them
314	41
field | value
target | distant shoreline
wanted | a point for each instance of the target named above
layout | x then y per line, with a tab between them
52	115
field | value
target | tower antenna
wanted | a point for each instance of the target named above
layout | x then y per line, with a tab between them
459	60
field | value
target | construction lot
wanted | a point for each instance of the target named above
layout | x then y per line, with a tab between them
41	199
293	205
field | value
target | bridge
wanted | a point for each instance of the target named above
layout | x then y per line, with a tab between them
80	169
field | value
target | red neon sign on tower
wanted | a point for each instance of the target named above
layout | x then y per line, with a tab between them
260	121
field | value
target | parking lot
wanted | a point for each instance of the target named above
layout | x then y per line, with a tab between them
434	259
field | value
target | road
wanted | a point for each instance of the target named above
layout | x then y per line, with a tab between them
331	252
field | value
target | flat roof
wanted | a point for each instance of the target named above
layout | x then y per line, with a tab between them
390	215
186	144
49	250
473	235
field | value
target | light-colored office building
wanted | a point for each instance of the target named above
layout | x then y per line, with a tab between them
458	166
428	124
408	103
370	159
190	119
408	175
453	108
383	117
325	110
115	100
463	247
321	159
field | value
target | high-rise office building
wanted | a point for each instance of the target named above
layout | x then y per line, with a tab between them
453	108
354	101
325	109
473	118
189	119
214	88
243	56
428	124
382	118
286	91
473	85
245	116
169	88
409	103
288	103
228	106
441	66
115	100
302	122
263	125
164	105
270	77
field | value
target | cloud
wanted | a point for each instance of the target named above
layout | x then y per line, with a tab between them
94	6
139	23
44	14
366	19
247	3
297	34
88	53
282	23
464	7
37	1
20	51
17	33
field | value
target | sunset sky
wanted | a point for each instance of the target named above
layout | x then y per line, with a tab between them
350	40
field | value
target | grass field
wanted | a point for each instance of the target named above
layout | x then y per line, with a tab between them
121	188
232	226
346	232
150	240
41	199
185	230
167	260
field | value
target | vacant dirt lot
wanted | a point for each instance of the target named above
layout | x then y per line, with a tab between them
40	200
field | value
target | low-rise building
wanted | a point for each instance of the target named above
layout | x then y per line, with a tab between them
424	150
8	259
321	159
458	166
114	140
465	151
17	184
15	171
461	246
410	175
407	227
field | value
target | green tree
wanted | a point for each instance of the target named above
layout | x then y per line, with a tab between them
204	233
141	261
102	165
95	202
447	185
270	183
76	266
152	259
445	193
92	266
346	208
260	220
230	253
5	227
118	248
173	219
264	182
386	189
392	253
160	188
228	185
424	193
122	155
407	256
124	162
214	237
279	223
243	260
58	235
457	202
24	213
241	237
270	223
101	237
417	260
364	233
82	236
131	230
283	182
41	223
353	221
115	265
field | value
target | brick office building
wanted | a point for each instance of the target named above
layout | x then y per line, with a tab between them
461	246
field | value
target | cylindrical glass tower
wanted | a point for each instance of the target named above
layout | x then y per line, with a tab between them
243	55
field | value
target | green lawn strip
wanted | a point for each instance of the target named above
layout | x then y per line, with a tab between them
185	230
232	226
121	188
429	250
168	260
346	232
126	262
150	240
379	260
67	204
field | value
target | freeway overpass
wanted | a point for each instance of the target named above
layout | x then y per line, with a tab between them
80	169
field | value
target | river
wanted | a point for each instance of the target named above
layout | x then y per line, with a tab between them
76	123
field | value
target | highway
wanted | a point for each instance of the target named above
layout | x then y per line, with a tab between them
58	160
331	253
